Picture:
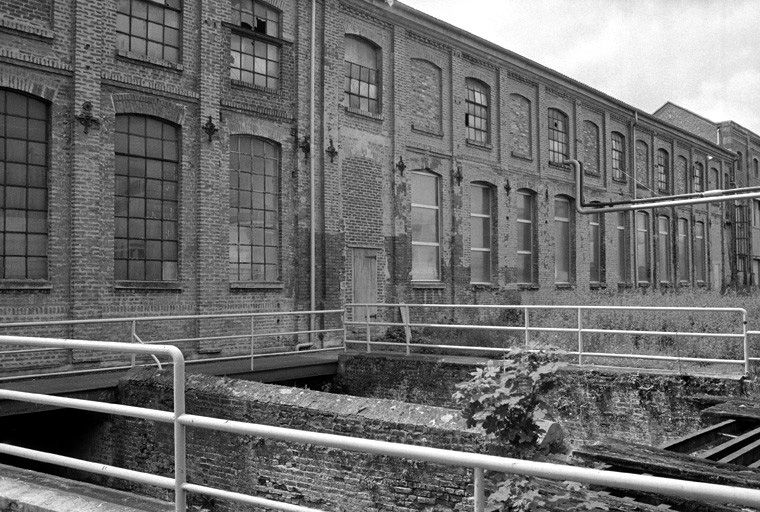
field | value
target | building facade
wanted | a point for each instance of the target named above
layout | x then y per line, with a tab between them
163	156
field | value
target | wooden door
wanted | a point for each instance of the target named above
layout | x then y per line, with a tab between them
365	281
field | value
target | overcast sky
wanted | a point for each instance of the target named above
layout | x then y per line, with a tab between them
701	54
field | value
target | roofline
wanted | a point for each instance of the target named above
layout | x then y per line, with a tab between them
703	118
505	54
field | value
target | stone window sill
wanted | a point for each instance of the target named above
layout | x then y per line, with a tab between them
429	285
527	286
144	59
558	165
172	286
364	113
597	286
624	286
593	174
619	180
429	133
241	286
521	156
246	85
564	286
25	285
10	23
483	286
485	146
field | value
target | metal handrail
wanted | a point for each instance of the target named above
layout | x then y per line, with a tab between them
181	420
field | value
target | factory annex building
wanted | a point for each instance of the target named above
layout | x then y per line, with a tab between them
170	156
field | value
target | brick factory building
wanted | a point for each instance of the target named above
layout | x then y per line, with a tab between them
158	157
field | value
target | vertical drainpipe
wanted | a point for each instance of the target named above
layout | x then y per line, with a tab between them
634	235
312	170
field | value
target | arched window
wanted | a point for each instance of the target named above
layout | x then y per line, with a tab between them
663	171
699	177
700	251
756	165
664	250
527	248
476	119
362	85
682	171
596	226
643	177
714	179
146	199
559	147
643	256
591	148
618	157
426	226
624	247
254	241
150	27
24	126
255	44
481	232
563	240
684	272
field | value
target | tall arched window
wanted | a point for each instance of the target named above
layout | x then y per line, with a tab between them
426	226
700	252
590	148
255	44
664	249
663	171
624	247
596	270
756	165
618	157
476	119
149	27
643	255
146	199
699	177
684	272
481	232
559	146
362	85
563	240
527	249
682	171
643	176
254	209
23	186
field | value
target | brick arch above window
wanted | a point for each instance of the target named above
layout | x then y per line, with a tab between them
31	87
149	106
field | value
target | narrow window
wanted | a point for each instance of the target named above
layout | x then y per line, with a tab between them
618	157
590	148
643	176
24	130
254	242
756	165
663	171
426	242
255	48
476	118
727	181
700	272
149	27
756	213
699	177
664	259
146	199
624	247
643	256
481	229
714	182
597	248
682	170
362	84
563	272
683	251
558	136
526	237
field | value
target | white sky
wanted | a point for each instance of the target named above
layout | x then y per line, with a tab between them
701	54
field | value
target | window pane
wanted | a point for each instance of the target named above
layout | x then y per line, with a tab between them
424	225
424	263
480	267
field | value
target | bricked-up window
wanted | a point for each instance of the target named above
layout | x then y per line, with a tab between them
563	240
596	225
699	177
727	181
618	157
146	199
558	136
700	251
683	251
624	247
643	256
23	186
643	177
149	27
682	171
664	249
526	237
255	44
362	84
426	218
756	213
476	117
481	231
714	182
254	209
756	165
663	171
590	148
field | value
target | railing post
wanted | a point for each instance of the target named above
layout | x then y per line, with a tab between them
180	449
366	321
527	325
746	342
404	309
133	339
478	491
344	317
580	338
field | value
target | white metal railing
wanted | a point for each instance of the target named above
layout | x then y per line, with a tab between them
365	321
180	420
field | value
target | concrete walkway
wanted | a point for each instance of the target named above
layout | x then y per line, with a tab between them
27	491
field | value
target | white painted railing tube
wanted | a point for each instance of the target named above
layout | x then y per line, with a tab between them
580	337
248	500
746	343
478	490
180	443
253	339
527	327
344	317
133	339
368	332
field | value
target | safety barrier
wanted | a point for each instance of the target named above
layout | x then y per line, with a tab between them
363	310
181	421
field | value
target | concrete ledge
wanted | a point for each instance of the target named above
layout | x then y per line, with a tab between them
22	490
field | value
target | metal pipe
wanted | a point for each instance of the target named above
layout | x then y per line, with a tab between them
478	490
248	500
180	441
550	306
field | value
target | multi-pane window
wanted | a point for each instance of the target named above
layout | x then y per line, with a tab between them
643	256
558	136
255	49
362	84
597	248
526	236
146	199
476	117
563	250
624	247
699	177
481	230
700	251
254	242
426	239
663	171
618	156
683	251
664	250
23	186
149	27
